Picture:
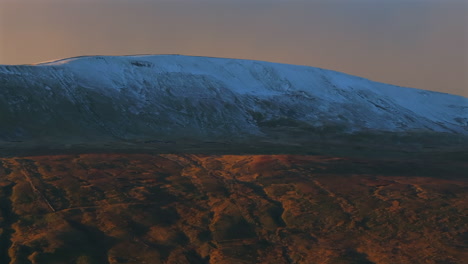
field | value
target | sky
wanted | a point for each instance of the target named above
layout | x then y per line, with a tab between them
414	43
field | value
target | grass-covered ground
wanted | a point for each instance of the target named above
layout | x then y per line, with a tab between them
187	208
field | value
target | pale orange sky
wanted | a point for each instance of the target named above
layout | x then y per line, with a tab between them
413	43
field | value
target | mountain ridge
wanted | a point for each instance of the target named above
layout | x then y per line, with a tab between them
68	59
171	97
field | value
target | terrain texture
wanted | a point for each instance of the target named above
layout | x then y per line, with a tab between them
136	99
167	208
176	159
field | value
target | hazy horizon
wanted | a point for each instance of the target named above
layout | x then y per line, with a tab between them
419	44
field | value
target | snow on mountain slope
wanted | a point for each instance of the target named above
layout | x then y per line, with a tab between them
161	95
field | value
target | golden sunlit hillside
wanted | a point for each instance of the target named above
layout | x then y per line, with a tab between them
168	208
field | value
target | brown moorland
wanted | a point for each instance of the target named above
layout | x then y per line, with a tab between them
187	208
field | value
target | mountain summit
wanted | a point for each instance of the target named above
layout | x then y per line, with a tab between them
173	97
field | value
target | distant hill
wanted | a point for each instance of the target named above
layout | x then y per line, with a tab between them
160	98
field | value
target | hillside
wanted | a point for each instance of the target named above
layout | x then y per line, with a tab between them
136	99
115	208
175	159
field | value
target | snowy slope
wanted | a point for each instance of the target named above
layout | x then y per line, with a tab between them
173	95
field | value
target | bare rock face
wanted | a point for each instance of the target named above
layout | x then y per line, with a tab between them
95	99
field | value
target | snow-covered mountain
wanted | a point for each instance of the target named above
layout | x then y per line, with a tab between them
173	96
